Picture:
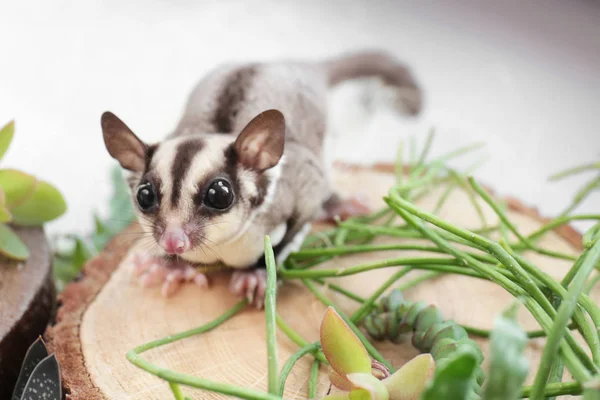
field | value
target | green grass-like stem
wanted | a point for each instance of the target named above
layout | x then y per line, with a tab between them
485	333
175	377
564	314
538	305
556	389
270	315
296	338
312	381
176	390
289	364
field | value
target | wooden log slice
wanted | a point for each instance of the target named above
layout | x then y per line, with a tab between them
107	313
27	298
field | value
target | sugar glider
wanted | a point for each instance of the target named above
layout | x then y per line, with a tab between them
245	160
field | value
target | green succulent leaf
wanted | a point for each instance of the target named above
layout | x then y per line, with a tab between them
11	245
454	378
360	394
17	185
45	204
6	135
339	381
343	350
508	365
375	389
5	215
409	382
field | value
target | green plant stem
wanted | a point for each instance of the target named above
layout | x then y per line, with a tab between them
395	262
296	338
564	314
575	170
539	306
555	223
200	383
556	389
488	199
270	314
366	307
588	329
312	381
425	151
175	377
370	348
591	283
485	333
556	373
176	391
582	194
345	250
192	332
458	152
341	290
419	279
289	364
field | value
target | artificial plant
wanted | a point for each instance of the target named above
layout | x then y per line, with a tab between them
24	201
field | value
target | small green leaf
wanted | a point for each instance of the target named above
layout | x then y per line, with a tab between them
5	215
360	394
453	379
409	382
6	136
17	185
508	365
344	351
45	204
375	389
11	245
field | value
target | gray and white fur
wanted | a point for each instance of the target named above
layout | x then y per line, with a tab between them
258	129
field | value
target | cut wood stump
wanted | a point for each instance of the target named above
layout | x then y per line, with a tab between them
106	313
27	298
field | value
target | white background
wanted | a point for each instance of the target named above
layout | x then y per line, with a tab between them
524	77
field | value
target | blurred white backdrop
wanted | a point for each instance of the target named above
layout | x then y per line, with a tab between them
521	76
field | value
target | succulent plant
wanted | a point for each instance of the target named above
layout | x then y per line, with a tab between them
351	367
24	201
40	375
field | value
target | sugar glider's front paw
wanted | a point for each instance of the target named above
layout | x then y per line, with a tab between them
152	271
250	283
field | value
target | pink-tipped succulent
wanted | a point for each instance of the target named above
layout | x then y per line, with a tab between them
351	367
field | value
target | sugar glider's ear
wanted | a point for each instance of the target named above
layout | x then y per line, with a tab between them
260	144
122	144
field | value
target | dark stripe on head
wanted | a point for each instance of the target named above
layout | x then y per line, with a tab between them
232	97
262	184
231	168
150	151
184	155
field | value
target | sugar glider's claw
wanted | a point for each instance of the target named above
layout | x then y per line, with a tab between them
152	271
251	284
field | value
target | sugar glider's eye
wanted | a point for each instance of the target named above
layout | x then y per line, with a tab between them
219	195
146	196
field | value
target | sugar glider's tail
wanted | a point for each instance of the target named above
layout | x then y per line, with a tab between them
377	64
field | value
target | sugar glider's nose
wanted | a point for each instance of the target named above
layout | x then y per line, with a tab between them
174	240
